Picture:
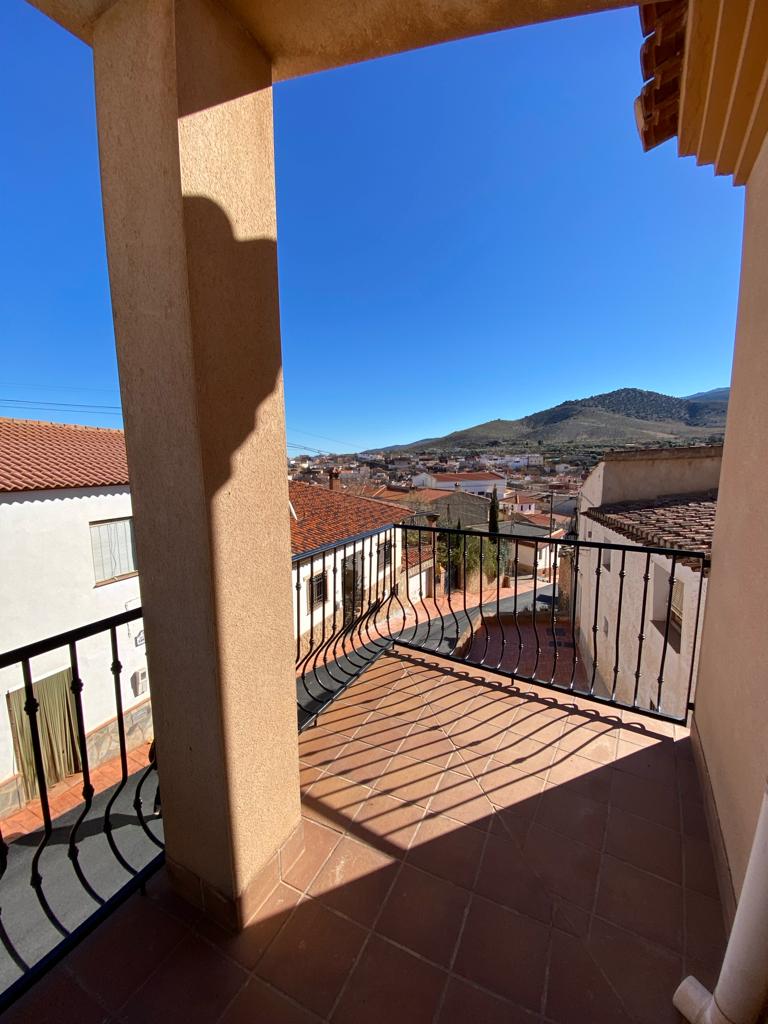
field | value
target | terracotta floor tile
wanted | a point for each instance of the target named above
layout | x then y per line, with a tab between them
56	999
645	844
694	820
383	732
577	991
508	878
699	867
643	974
355	880
566	868
599	746
656	761
474	740
466	1004
334	802
360	762
260	1002
705	932
504	952
642	903
525	754
688	783
581	775
655	801
498	711
388	984
462	799
248	946
424	913
539	723
308	775
318	843
113	961
195	983
407	707
312	956
573	815
344	718
506	786
409	779
428	744
320	747
447	848
387	823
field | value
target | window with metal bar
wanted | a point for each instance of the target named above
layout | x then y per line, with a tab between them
676	612
113	549
317	589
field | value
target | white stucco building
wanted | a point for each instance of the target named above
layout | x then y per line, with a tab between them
66	548
473	483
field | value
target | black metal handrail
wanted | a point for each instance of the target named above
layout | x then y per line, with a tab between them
47	906
473	597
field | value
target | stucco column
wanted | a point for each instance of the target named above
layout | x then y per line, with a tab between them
184	107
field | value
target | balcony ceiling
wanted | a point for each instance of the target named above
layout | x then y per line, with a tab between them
302	36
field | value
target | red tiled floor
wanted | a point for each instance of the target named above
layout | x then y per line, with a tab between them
531	861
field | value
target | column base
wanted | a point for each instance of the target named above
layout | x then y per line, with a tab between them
235	914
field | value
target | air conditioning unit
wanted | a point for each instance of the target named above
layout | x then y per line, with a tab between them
139	682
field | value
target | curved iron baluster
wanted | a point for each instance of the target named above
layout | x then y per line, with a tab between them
137	805
694	645
662	663
574	605
598	573
499	619
450	587
394	594
520	643
465	544
536	638
553	621
73	851
407	577
620	602
483	622
641	634
116	669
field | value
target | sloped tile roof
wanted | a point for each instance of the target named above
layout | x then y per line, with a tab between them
38	456
324	516
683	521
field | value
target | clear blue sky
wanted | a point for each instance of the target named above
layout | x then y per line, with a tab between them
466	232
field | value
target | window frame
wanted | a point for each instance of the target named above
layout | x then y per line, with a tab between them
313	601
106	580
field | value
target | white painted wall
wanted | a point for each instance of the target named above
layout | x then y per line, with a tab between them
375	581
483	487
47	586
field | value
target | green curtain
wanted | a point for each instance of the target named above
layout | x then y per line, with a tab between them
57	725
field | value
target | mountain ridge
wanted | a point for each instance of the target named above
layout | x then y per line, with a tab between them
620	416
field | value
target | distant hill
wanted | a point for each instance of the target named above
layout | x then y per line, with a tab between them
623	416
715	395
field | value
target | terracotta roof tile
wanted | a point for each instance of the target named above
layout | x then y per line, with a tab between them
39	456
684	521
324	516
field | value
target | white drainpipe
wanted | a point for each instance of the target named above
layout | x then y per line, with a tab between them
742	988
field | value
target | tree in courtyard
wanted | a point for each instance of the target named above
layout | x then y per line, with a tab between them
493	513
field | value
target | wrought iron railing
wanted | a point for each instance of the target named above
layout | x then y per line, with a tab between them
60	877
617	624
602	621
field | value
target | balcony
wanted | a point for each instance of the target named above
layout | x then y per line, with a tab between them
489	833
474	850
